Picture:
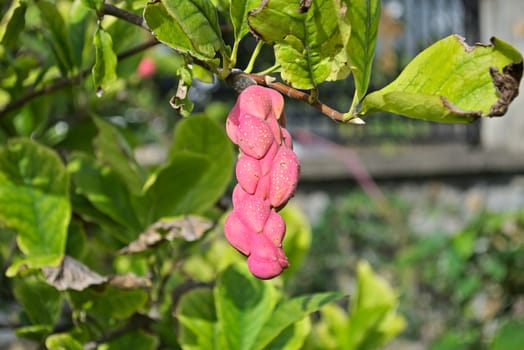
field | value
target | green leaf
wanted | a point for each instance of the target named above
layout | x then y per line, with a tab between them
133	340
112	149
110	303
197	316
291	311
307	45
364	16
373	318
59	40
238	11
104	70
105	191
34	200
243	305
42	303
189	26
171	190
62	341
450	82
205	137
293	337
509	336
15	26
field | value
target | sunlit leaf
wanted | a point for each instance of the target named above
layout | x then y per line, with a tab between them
243	304
34	201
364	16
290	311
306	44
451	82
104	70
62	341
238	11
189	26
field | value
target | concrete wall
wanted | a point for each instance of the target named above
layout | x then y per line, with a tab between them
504	19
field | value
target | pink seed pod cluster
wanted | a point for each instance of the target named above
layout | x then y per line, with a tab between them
267	173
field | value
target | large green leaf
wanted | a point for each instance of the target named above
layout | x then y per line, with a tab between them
104	70
307	45
290	311
243	305
205	137
110	303
105	191
197	316
364	16
34	201
112	149
59	38
189	26
452	82
41	302
170	191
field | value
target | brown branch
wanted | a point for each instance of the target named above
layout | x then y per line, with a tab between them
125	15
298	95
62	83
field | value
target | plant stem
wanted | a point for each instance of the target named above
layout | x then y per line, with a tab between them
62	83
126	16
253	58
299	95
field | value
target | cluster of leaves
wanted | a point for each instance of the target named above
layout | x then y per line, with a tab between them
478	277
469	281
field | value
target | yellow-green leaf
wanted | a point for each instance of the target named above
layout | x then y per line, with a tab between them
452	82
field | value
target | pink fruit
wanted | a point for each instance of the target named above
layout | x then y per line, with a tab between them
263	187
254	136
284	177
275	228
248	173
237	233
238	195
266	162
253	211
263	269
275	129
286	139
255	101
146	67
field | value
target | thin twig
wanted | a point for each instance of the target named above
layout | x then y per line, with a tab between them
62	83
298	95
125	15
